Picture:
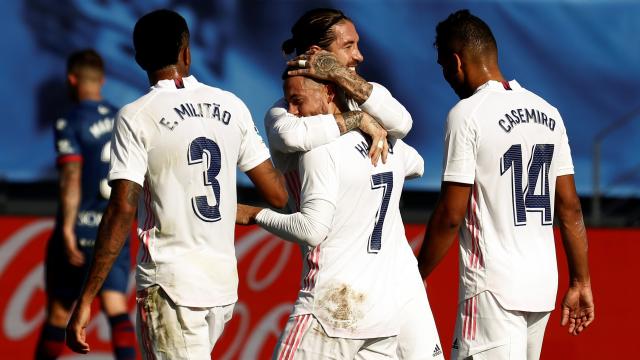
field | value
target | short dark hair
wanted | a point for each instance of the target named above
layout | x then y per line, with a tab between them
463	30
313	28
285	75
158	37
84	59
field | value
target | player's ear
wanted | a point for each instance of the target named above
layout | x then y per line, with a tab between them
187	56
331	92
72	79
314	48
458	59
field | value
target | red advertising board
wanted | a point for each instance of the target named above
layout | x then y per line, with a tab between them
269	276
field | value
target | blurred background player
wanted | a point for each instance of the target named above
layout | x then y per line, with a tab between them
82	140
355	287
178	145
326	42
507	166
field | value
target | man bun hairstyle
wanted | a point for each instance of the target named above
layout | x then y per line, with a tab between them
158	37
313	28
463	30
87	59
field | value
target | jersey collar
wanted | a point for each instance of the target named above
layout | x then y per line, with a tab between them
497	85
185	82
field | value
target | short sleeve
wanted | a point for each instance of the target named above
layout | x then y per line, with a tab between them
128	151
564	162
388	111
288	133
67	145
253	150
412	161
460	148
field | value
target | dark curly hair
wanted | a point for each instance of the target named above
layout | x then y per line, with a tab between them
158	37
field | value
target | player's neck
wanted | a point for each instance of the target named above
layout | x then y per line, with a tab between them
167	73
89	96
484	73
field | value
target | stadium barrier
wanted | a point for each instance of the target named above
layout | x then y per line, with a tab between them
269	271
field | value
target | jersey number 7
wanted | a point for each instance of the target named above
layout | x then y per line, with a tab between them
528	200
385	181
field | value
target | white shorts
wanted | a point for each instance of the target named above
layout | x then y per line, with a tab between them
418	338
485	330
304	338
168	331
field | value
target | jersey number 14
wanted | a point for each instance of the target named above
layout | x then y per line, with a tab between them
528	200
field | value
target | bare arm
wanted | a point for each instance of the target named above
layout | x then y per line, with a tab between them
577	305
350	120
270	184
70	194
443	225
289	134
114	227
372	98
324	65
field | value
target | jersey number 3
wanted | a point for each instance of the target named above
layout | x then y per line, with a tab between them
529	200
196	154
382	181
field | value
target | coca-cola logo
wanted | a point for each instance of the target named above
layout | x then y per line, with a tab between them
269	270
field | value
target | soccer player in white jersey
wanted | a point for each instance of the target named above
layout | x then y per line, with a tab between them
507	166
179	146
354	286
327	44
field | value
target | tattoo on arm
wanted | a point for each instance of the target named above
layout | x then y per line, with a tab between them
327	67
325	64
353	85
349	120
132	194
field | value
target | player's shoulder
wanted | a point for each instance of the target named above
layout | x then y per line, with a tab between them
223	95
333	148
72	116
464	111
397	145
106	108
537	99
139	107
276	111
129	110
378	86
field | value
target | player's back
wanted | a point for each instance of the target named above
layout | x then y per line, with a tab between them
193	136
85	135
352	281
520	148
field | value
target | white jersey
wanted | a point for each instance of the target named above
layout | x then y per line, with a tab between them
511	145
288	134
354	279
182	142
